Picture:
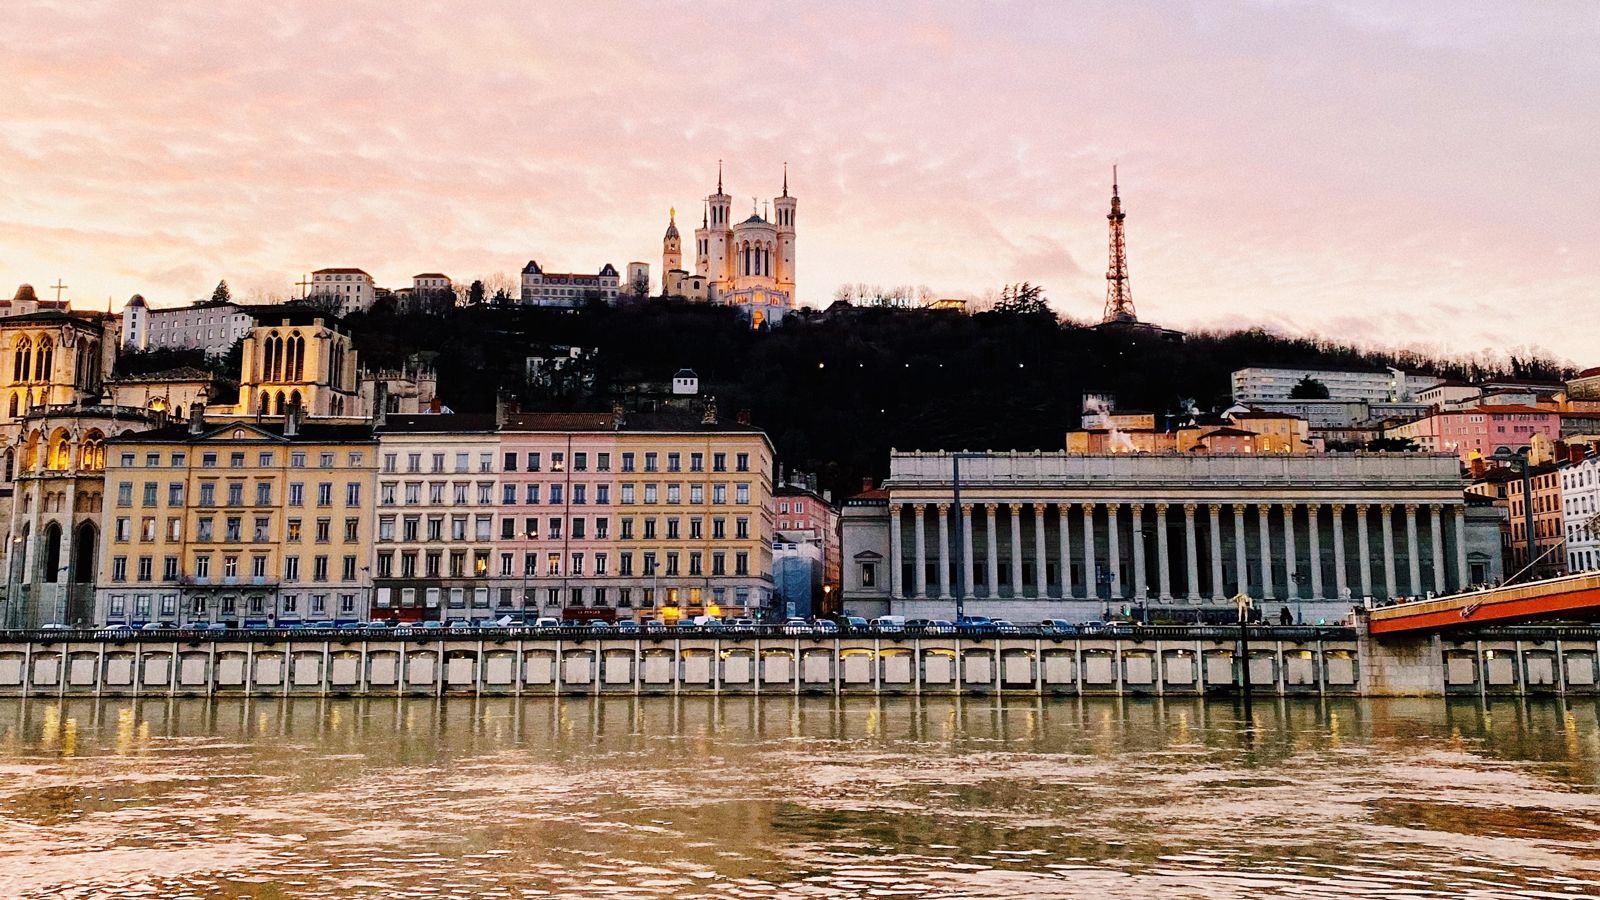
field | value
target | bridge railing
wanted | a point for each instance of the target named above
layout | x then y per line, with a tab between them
353	634
1542	588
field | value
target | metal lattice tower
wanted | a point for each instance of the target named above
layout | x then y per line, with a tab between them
1119	296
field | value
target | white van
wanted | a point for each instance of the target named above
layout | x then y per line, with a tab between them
889	623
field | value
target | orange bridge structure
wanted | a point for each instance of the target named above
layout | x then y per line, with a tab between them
1572	597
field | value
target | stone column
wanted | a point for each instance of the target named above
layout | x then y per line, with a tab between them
1241	552
1041	584
1114	550
1163	562
1290	567
1437	520
1015	510
1413	551
1462	573
919	542
1264	540
989	510
1091	584
1194	553
1363	549
896	589
1387	510
1314	539
968	564
1064	513
944	551
1217	587
1341	585
1139	588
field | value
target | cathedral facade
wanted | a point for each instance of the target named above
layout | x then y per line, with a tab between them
749	264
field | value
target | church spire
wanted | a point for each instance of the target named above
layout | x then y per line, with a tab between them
705	213
719	176
786	179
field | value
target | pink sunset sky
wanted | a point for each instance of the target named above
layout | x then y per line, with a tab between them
1388	173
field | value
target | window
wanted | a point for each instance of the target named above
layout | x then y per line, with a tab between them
719	462
650	462
325	493
602	462
533	462
508	494
326	459
509	462
741	528
352	494
125	493
602	493
297	493
580	462
297	459
555	495
319	569
627	462
674	462
741	494
119	568
347	569
263	493
741	462
627	494
352	530
323	530
148	495
741	563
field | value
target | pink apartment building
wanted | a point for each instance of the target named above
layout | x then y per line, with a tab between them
1479	431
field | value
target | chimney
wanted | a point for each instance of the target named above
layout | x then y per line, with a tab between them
1478	467
710	416
197	417
434	406
743	418
866	484
1575	453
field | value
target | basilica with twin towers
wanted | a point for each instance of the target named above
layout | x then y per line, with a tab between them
749	264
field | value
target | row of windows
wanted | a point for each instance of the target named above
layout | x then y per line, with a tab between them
150	493
598	596
147	606
458	564
535	461
144	568
416	528
390	493
232	530
177	459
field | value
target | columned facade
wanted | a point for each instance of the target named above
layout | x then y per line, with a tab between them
1167	533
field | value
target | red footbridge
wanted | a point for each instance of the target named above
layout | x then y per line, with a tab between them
1569	598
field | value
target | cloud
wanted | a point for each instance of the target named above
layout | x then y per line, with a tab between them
1370	169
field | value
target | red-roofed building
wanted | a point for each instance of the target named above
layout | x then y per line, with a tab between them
1479	431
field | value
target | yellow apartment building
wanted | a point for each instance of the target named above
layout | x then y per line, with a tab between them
237	521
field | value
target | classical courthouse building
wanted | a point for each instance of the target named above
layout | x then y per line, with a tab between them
1037	535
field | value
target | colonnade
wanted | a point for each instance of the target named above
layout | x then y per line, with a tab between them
1174	551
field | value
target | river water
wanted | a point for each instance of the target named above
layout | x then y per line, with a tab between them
798	797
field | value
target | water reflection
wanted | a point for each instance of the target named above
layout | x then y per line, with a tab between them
815	797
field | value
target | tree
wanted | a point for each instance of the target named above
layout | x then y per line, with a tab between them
1308	388
475	293
640	285
221	294
1025	299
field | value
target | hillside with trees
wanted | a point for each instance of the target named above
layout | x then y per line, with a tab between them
837	390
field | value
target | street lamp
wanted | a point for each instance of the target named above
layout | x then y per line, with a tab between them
961	532
1518	462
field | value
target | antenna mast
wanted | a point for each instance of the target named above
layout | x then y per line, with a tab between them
1119	296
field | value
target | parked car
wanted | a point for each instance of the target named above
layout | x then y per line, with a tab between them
158	626
1004	626
825	626
628	626
547	622
855	623
1094	626
1057	626
1119	629
940	626
745	625
430	624
890	624
976	624
796	625
114	630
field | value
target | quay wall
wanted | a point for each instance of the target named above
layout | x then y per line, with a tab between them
1341	664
